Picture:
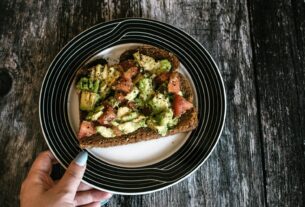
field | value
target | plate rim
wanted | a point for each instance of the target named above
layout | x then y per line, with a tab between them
181	177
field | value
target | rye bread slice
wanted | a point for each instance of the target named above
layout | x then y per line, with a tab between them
188	121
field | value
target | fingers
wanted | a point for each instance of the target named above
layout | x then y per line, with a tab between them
90	196
82	187
43	163
73	175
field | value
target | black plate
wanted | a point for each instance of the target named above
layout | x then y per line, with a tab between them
199	64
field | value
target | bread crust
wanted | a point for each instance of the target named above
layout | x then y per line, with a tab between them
188	121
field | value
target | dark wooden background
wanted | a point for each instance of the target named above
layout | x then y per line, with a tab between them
259	46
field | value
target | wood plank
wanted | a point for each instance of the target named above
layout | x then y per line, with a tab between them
279	51
32	32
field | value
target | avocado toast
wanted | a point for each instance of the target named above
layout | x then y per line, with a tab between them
143	97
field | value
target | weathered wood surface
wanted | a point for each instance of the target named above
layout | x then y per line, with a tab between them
259	160
279	50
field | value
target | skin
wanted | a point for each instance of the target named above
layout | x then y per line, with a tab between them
39	189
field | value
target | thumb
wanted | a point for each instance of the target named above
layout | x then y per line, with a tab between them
73	175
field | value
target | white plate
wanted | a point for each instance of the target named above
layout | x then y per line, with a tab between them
137	154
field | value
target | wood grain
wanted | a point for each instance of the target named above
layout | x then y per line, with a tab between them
279	48
259	160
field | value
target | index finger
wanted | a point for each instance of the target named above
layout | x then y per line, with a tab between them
43	163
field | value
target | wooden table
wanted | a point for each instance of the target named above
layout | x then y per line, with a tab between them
259	47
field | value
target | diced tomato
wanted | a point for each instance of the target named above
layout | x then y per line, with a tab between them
174	83
180	105
124	85
128	64
107	116
86	129
163	77
119	96
130	73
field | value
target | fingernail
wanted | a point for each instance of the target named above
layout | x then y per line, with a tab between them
81	158
103	202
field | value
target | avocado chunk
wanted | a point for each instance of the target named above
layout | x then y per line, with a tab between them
103	89
159	103
112	76
173	122
146	88
94	115
99	108
95	86
151	65
162	122
88	84
139	103
132	94
146	62
162	130
104	73
105	132
83	84
129	127
115	123
129	116
125	114
165	117
122	111
140	118
96	72
165	66
153	124
113	102
100	80
88	100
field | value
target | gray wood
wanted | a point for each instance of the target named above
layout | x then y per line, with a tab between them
259	159
279	50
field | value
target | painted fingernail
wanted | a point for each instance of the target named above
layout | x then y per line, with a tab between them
81	158
108	196
103	202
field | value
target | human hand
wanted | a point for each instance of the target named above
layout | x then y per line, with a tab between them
38	189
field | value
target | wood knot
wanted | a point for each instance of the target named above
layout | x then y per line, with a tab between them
5	82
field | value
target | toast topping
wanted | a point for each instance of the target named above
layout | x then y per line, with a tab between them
86	129
139	92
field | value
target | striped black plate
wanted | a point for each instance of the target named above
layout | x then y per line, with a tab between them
137	180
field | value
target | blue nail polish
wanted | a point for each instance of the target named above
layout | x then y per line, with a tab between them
103	202
81	158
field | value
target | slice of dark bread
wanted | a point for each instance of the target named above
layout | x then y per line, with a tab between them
188	121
